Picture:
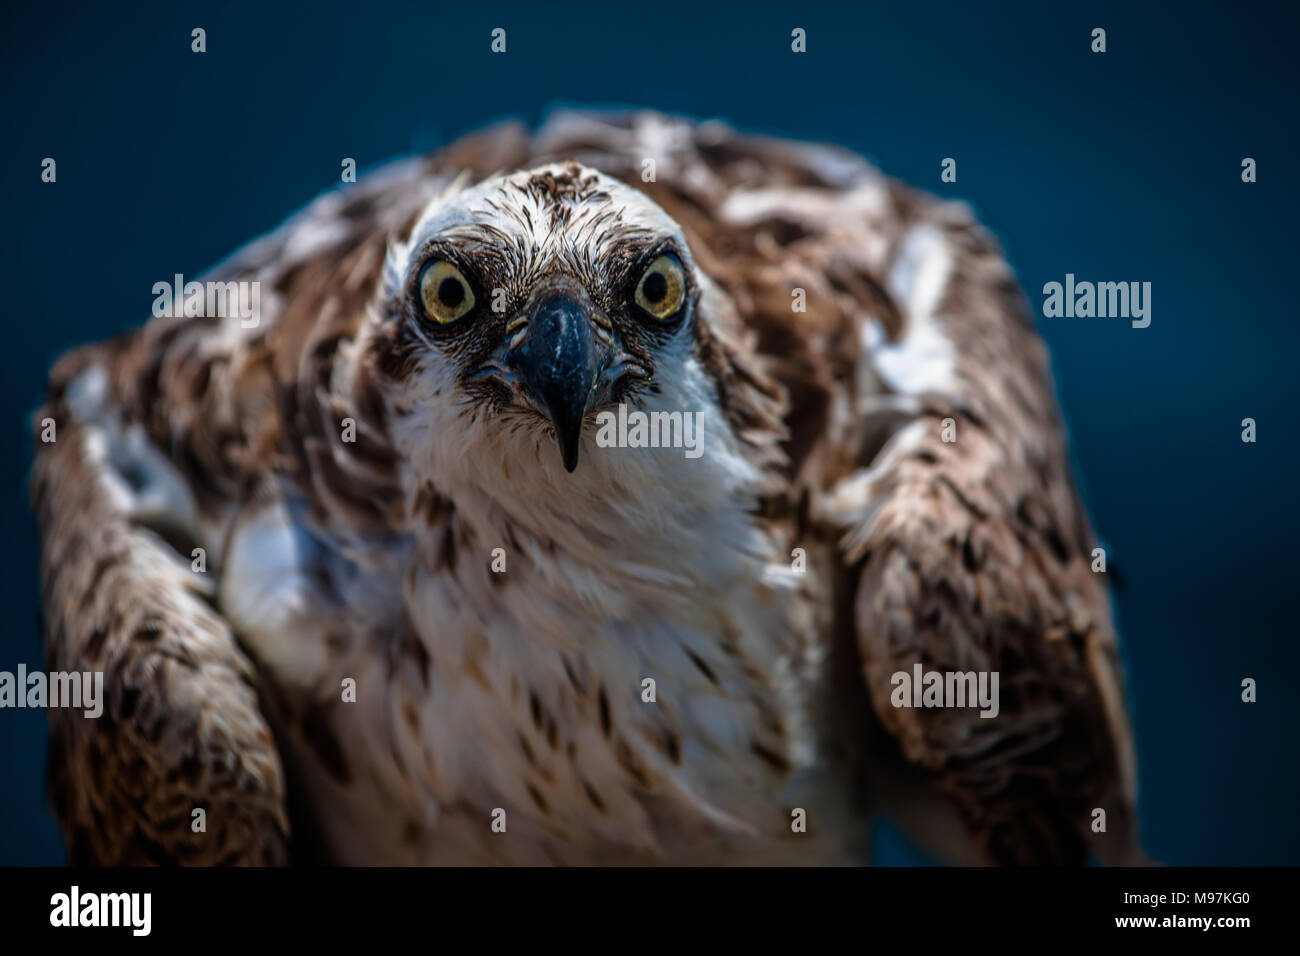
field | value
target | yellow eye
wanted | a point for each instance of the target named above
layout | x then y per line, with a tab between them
444	293
662	289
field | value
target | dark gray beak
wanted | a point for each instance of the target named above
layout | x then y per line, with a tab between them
558	362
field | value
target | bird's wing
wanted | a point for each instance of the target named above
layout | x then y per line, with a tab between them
965	555
180	728
161	439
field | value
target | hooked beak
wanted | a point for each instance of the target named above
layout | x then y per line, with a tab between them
560	363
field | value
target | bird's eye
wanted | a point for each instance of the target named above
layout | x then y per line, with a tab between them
662	288
444	292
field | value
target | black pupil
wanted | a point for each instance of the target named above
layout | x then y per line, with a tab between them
655	288
450	292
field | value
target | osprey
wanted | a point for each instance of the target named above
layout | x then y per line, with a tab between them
365	587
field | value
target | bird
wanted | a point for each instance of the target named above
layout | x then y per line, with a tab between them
366	588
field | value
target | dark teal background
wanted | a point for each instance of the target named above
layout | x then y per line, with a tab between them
1122	166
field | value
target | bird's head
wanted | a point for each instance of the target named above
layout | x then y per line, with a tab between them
530	302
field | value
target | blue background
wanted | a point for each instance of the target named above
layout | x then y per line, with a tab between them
1122	166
